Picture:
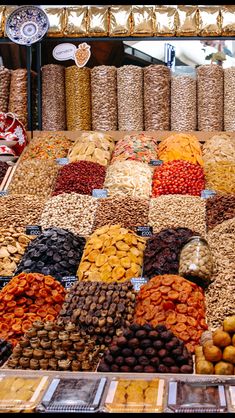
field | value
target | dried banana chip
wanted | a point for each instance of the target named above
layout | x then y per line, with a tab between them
118	273
111	250
122	246
113	261
97	243
93	255
101	259
121	254
134	251
125	262
84	266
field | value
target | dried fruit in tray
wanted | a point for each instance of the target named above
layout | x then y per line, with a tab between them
139	147
175	302
181	146
34	298
47	146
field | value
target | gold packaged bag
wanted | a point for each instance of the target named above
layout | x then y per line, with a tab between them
76	21
98	21
120	21
2	10
142	20
56	17
209	21
187	21
228	20
165	21
6	14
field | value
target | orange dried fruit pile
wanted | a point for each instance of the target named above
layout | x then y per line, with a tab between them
175	302
181	147
25	299
112	254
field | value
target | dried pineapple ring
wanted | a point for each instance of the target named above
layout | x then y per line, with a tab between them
113	260
122	246
118	273
125	262
101	259
111	250
93	255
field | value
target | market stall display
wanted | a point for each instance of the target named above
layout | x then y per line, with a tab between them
181	147
229	84
220	176
139	147
128	178
219	147
56	252
53	98
71	211
175	302
104	98
12	247
3	169
20	210
112	254
92	146
5	79
157	92
5	351
18	95
26	298
219	208
47	146
148	349
79	177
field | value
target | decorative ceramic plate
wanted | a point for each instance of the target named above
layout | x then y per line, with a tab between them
27	25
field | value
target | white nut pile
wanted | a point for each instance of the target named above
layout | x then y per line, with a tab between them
229	99
70	211
129	178
220	293
220	147
130	98
183	103
196	260
173	211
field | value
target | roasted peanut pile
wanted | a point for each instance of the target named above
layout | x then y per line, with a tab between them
5	79
220	147
104	98
210	94
130	98
20	210
112	254
53	98
174	211
157	91
126	211
180	147
12	246
220	176
92	146
220	293
130	178
35	176
183	103
47	146
71	211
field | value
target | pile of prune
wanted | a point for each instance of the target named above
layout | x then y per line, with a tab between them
5	351
147	349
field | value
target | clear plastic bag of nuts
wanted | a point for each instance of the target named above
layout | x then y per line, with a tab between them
196	262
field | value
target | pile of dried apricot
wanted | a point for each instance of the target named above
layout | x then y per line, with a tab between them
25	299
112	254
175	302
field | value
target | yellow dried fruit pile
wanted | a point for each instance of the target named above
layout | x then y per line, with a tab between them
220	176
181	147
92	146
112	254
220	147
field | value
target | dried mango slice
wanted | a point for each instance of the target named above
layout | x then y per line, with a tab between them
135	251
111	250
93	255
121	254
118	273
106	267
84	266
113	261
122	246
125	262
97	243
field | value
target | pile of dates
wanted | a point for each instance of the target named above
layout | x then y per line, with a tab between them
147	349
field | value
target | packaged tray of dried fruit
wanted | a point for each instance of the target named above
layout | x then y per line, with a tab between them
196	396
135	394
66	394
19	393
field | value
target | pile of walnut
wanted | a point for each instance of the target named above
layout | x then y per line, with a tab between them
50	346
13	244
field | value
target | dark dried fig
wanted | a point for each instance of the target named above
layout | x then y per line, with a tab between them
127	333
125	369
103	367
149	369
141	334
135	327
174	369
108	359
158	344
177	352
143	360
138	369
161	328
162	353
181	360
155	361
114	350
133	343
130	361
138	352
145	343
150	352
119	360
168	361
186	369
162	369
114	368
127	352
121	341
147	327
166	335
153	335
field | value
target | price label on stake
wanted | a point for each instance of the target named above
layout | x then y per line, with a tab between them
144	231
68	281
155	162
33	230
3	192
62	161
99	193
138	282
4	280
205	194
